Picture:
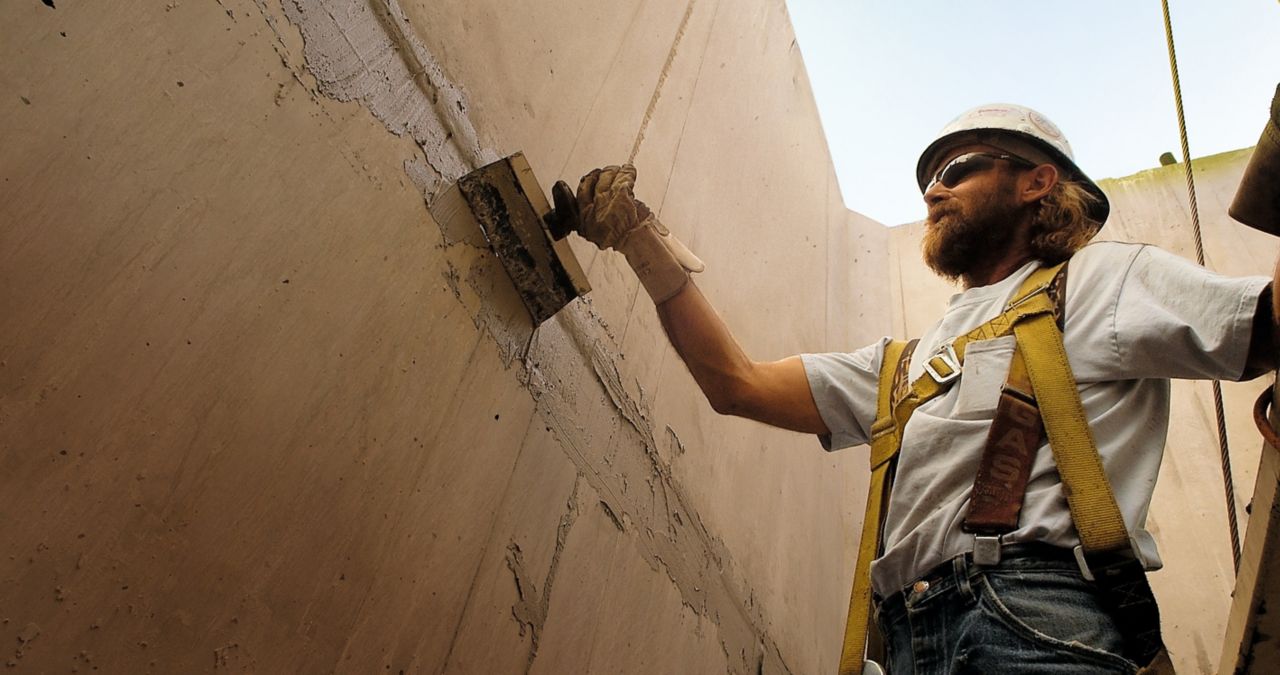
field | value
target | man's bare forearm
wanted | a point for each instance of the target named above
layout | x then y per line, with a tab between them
775	393
701	338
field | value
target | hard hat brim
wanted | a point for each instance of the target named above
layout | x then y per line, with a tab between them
939	148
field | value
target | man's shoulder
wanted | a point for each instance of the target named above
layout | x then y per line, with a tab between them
1105	259
1109	250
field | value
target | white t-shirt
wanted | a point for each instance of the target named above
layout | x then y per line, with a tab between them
1136	316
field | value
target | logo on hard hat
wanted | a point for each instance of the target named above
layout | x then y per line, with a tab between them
1044	125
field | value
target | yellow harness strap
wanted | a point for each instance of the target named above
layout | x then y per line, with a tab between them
1093	506
884	446
1030	317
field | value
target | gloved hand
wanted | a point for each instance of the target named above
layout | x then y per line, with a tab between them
611	217
607	208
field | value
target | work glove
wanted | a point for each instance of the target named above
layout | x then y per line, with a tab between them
610	216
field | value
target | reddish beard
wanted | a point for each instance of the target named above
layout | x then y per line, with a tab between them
960	241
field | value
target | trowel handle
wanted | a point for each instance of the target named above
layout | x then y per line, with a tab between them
564	217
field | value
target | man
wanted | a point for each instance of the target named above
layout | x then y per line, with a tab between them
1004	198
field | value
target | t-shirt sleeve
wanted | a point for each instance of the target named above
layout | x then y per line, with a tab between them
1175	319
844	388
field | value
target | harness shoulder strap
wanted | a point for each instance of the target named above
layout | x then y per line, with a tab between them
885	441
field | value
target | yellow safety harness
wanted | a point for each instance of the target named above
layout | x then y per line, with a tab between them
1106	554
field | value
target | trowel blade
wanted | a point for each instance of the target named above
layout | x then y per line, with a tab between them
509	206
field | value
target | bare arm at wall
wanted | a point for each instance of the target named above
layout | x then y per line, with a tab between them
606	213
775	392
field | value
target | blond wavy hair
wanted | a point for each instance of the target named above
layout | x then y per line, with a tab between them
1062	224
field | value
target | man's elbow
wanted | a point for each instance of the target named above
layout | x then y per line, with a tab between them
731	397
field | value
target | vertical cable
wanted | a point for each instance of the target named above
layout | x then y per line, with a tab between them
1227	483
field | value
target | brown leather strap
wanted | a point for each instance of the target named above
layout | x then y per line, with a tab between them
1012	442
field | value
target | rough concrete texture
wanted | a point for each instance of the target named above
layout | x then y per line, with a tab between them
261	414
1188	514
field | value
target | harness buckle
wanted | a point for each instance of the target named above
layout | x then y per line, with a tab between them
947	355
986	550
1107	564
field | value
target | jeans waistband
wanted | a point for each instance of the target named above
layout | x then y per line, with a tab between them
958	571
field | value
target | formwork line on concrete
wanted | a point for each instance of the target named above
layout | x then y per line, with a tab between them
662	80
697	78
534	419
599	90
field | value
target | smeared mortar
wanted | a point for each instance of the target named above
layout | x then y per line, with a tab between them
367	52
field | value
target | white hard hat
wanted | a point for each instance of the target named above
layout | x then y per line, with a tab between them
996	122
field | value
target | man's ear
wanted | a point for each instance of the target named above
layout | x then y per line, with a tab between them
1038	182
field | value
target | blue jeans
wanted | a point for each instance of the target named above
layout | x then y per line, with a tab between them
1030	614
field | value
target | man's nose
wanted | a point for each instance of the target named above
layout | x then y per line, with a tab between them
935	193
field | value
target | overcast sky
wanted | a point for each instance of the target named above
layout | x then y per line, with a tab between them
887	75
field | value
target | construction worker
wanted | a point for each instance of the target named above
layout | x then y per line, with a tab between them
1005	199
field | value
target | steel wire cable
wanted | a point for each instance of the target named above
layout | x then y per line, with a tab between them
1227	483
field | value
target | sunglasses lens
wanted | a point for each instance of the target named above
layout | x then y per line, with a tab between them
962	167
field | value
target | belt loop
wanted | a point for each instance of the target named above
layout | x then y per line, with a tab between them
961	570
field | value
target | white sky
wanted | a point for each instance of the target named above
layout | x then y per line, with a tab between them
887	75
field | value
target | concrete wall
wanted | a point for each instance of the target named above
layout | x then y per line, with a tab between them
259	413
1188	515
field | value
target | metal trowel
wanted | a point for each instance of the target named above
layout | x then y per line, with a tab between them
504	202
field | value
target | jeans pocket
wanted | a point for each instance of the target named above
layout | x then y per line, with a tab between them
1053	613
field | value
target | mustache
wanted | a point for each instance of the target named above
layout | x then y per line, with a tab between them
940	210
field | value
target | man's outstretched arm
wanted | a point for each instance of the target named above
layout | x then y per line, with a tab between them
776	393
773	392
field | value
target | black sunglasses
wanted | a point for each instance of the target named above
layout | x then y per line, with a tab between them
960	168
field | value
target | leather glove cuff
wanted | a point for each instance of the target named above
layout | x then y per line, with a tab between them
659	270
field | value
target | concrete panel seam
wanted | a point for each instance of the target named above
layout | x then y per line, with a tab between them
662	80
596	97
697	78
475	576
